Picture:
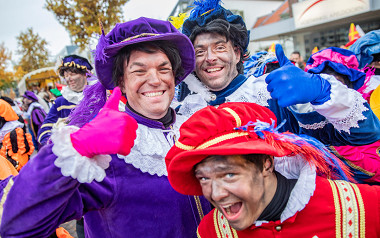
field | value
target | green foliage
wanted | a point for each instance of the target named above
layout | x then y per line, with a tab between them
33	51
6	78
80	17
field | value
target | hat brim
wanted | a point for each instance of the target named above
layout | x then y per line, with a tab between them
181	168
184	45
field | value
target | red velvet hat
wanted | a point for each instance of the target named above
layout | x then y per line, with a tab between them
239	128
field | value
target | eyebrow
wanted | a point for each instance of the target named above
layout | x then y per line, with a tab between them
218	42
142	64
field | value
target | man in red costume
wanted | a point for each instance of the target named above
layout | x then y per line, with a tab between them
263	183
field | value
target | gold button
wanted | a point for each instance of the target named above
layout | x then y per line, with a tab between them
278	228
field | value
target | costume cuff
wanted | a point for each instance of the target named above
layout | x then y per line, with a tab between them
345	107
71	163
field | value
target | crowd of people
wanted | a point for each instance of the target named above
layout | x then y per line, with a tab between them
183	133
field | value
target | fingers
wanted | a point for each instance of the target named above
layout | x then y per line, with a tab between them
113	100
282	59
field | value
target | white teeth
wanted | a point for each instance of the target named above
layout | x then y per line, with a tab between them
213	70
154	94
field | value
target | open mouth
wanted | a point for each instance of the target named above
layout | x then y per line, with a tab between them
231	211
153	94
212	70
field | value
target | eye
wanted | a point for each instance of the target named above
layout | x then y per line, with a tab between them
165	70
220	47
230	175
199	52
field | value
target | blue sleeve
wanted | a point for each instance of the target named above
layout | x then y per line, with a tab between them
316	125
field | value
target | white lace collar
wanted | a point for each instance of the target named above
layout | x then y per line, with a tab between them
295	168
71	96
150	148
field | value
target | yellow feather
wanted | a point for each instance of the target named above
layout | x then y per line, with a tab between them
178	21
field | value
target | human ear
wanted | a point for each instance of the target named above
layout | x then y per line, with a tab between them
237	52
268	164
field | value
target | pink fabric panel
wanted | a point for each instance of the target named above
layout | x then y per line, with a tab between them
328	54
365	157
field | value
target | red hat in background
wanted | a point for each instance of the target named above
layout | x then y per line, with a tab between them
236	129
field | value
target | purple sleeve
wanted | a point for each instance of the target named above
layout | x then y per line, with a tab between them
41	198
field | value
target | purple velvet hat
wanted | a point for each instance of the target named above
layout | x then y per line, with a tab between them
30	95
136	31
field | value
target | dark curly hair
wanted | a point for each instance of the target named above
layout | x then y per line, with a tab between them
236	33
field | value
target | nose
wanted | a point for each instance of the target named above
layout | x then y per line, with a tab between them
218	192
210	56
154	78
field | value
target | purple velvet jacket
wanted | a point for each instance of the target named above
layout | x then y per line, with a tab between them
127	203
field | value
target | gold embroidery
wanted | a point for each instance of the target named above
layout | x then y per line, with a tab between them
352	209
139	36
361	210
378	151
213	141
198	235
235	115
183	147
43	133
66	107
337	209
72	64
224	227
222	138
216	225
4	197
47	125
207	12
199	207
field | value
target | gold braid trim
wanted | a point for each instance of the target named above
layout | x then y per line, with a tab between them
198	235
361	210
337	209
184	147
139	36
4	197
207	12
73	64
235	115
47	125
216	225
199	207
66	107
336	153
212	142
222	138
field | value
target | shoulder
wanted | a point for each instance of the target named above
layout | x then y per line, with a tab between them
61	101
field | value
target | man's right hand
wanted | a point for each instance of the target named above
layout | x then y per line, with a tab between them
110	132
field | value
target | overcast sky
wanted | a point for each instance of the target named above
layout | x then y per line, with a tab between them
18	15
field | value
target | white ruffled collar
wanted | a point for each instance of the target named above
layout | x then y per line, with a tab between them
31	108
71	96
295	168
150	148
8	127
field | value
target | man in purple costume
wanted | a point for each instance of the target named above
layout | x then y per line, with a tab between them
34	113
131	195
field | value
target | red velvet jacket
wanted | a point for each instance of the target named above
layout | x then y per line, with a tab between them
336	209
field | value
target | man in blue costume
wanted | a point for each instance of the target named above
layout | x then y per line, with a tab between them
310	103
75	70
